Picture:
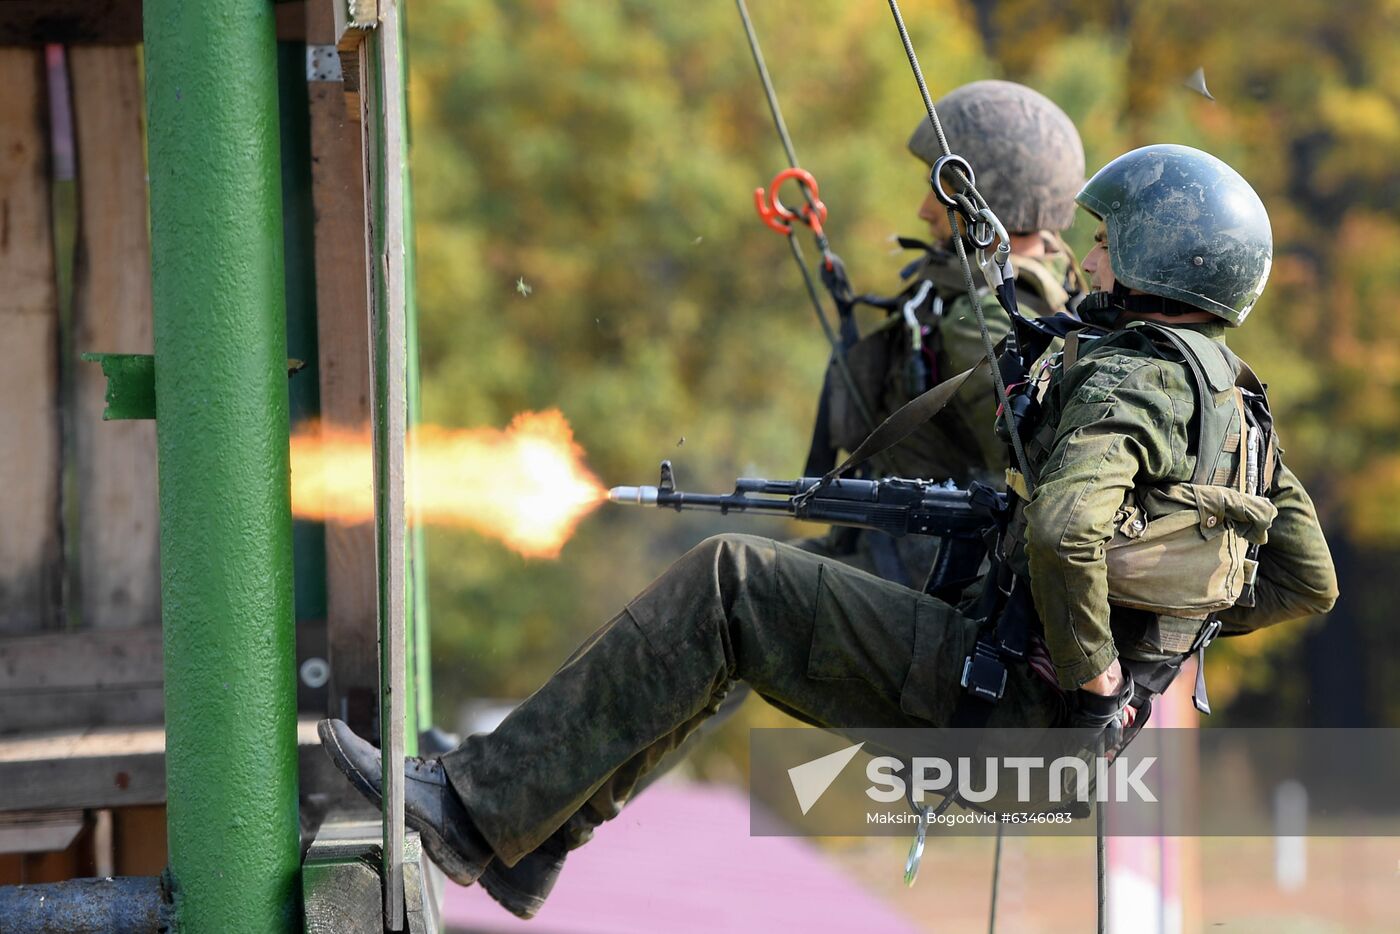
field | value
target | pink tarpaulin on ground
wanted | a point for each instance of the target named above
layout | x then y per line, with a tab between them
679	860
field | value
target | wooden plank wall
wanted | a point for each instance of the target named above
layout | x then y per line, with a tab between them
118	545
104	677
31	553
343	326
93	562
109	580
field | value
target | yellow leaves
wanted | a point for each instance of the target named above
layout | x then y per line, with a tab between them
1367	126
1360	114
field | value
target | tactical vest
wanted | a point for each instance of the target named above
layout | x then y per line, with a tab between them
1182	552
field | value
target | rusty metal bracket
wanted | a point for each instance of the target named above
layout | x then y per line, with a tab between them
131	384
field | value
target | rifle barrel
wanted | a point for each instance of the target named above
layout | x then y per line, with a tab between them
710	502
898	507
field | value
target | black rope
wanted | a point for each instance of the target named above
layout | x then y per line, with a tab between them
996	881
1101	855
837	350
1006	413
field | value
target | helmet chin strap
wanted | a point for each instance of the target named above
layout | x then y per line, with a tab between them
1103	309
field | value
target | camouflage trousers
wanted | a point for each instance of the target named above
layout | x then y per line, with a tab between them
831	645
905	560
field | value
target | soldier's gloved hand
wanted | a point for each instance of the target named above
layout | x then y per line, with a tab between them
1099	722
1105	716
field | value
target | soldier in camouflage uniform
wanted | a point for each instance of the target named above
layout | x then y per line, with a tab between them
1029	163
1030	159
1143	445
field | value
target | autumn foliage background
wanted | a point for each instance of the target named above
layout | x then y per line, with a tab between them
605	155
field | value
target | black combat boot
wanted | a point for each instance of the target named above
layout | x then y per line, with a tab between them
430	804
521	889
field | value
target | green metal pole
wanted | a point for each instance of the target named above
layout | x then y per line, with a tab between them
421	669
221	421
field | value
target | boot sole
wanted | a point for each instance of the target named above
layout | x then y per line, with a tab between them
509	897
439	851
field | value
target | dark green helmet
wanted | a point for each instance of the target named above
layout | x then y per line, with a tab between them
1185	226
1026	152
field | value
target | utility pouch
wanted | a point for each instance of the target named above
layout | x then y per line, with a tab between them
1181	549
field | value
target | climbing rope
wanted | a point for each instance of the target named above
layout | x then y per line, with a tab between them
983	228
996	881
974	208
1100	858
773	108
812	215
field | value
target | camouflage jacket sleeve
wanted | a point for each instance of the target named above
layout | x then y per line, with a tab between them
1296	577
1123	423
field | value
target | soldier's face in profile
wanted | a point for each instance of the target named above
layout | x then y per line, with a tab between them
933	213
1096	262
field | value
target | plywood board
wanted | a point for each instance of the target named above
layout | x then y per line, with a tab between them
118	581
31	561
386	123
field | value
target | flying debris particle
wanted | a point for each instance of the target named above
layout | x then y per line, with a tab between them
1197	82
522	287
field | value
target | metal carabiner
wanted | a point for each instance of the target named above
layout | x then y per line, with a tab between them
935	175
981	240
996	269
778	216
916	849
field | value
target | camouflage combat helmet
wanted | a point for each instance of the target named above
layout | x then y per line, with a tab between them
1026	153
1185	226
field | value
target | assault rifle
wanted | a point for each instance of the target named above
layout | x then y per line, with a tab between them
894	506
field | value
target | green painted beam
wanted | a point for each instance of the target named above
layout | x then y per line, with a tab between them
131	384
221	407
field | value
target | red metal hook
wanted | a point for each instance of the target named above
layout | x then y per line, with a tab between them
778	216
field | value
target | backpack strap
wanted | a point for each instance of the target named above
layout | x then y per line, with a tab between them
1212	375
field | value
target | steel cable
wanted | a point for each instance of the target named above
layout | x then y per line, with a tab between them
996	881
1022	463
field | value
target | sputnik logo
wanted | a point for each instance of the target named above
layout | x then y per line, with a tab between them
810	780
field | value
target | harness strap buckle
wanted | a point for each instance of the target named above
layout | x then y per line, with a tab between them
984	673
1199	698
1206	636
